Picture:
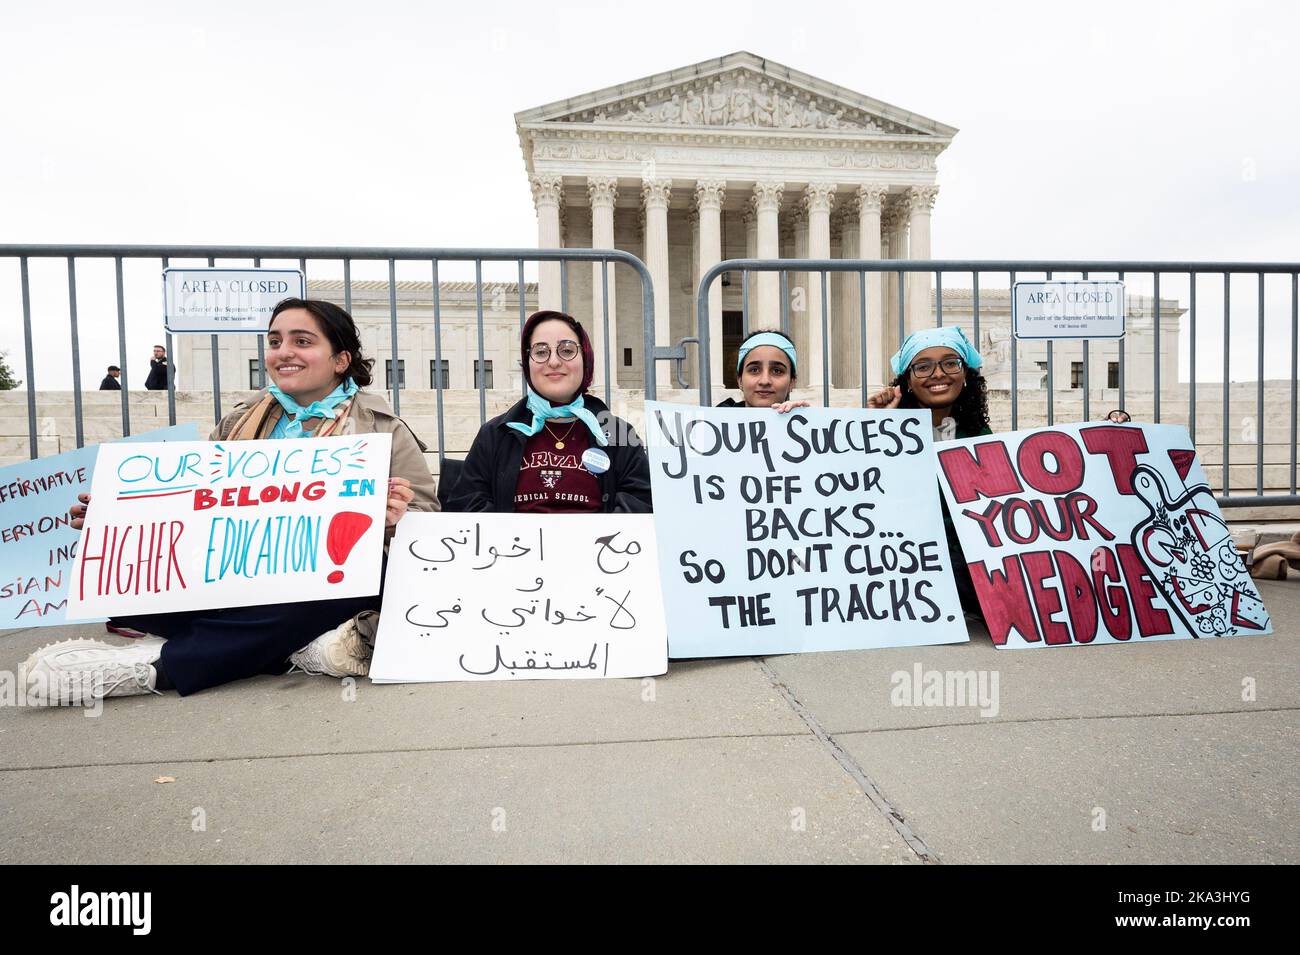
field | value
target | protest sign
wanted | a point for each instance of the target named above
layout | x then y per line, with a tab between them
1096	533
815	530
37	542
197	525
514	596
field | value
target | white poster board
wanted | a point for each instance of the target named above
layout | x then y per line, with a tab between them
217	300
1096	534
37	542
815	530
191	525
514	596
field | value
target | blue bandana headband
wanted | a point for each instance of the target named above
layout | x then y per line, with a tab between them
543	409
324	408
948	336
767	338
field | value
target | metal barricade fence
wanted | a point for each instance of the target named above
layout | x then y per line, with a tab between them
227	255
898	271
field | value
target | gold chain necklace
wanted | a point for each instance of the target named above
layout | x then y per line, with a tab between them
559	443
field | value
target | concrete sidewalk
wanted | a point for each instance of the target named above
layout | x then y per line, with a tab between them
800	758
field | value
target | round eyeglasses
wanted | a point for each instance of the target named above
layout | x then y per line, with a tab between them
925	369
567	350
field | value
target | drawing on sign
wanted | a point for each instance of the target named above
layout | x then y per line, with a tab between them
1188	550
1096	533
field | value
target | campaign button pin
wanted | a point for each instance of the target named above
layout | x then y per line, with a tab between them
595	460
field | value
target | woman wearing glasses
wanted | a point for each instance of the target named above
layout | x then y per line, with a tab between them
558	450
938	368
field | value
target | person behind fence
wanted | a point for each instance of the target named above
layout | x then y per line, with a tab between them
557	450
766	372
938	369
110	382
160	370
318	374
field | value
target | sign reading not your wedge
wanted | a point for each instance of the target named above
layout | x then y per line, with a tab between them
815	530
1102	533
513	596
196	525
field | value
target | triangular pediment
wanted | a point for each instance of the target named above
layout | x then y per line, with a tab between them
737	92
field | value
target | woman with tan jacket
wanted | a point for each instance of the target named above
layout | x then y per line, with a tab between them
314	359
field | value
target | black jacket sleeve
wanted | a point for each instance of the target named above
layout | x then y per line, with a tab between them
474	490
632	492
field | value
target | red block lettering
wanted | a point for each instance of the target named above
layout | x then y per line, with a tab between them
982	470
1069	462
1004	598
1121	446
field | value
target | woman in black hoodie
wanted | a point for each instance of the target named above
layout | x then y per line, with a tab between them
558	450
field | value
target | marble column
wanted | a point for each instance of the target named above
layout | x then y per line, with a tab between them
920	200
818	198
796	224
869	199
848	303
548	196
656	194
895	226
603	193
709	196
767	285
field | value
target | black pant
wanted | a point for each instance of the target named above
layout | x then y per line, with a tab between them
210	647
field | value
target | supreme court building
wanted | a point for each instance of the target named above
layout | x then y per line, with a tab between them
737	157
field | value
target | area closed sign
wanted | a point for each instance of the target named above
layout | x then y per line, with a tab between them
226	300
1050	310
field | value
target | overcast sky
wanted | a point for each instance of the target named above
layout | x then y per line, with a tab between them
1097	130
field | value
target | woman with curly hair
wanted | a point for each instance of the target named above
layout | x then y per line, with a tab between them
938	368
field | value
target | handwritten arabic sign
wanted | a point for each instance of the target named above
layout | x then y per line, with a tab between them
513	596
193	525
816	530
37	542
1096	534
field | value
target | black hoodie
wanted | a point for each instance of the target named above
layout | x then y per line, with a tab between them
491	471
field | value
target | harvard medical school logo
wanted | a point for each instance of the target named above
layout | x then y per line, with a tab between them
75	908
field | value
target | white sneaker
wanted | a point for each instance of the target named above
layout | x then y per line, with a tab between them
74	672
344	651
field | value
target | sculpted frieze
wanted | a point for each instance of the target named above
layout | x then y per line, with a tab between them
740	99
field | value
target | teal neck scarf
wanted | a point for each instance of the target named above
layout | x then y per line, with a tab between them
324	408
543	409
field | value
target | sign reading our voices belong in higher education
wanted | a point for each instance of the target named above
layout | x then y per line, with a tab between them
192	525
226	300
1065	310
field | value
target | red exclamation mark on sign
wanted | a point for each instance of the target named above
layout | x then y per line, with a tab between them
345	530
